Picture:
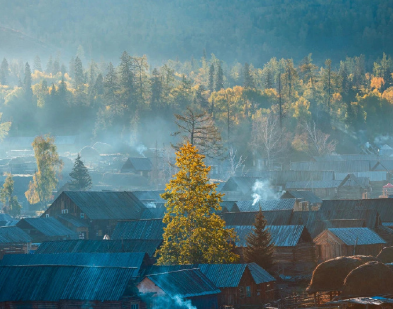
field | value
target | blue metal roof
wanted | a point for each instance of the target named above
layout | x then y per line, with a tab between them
54	283
99	246
357	235
134	259
280	204
185	283
139	164
139	229
48	227
222	275
281	235
13	234
77	222
107	205
259	274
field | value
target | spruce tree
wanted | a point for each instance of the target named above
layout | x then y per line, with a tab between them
211	78
37	64
27	82
156	90
81	180
259	247
78	73
248	79
4	72
194	233
219	78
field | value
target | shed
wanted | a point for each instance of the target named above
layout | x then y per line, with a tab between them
353	187
335	242
305	196
45	229
294	250
187	284
14	240
141	166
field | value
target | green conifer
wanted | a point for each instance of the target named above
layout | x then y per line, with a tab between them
80	175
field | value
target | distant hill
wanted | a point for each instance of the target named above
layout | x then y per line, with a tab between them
243	30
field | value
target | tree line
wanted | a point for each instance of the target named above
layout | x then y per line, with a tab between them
303	102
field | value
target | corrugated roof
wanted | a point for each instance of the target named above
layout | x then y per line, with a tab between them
349	166
13	234
99	246
139	229
308	196
48	227
347	157
281	235
353	181
54	283
140	164
372	176
357	235
134	259
222	275
229	206
259	274
319	184
107	204
279	204
153	213
77	222
185	283
273	217
150	195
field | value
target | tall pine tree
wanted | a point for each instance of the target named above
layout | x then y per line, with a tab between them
219	78
81	180
259	247
211	78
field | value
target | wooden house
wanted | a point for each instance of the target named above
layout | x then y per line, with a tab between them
141	166
307	199
14	240
100	210
240	284
294	250
45	229
335	242
191	285
353	187
325	189
54	286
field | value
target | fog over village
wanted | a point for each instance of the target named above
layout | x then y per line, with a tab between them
211	154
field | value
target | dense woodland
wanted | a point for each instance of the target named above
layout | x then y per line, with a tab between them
246	30
133	102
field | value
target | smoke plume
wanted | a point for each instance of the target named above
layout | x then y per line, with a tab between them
262	191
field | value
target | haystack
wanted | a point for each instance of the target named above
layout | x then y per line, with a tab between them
370	279
386	255
330	275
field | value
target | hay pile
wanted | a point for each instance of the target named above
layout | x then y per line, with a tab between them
330	275
370	279
386	255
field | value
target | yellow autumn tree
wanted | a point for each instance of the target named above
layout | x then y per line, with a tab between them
194	233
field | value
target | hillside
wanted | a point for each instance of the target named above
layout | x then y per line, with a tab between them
243	30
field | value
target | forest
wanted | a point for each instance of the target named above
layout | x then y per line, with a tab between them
247	30
311	109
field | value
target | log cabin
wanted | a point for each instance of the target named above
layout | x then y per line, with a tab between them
335	242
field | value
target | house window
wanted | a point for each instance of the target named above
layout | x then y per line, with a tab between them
64	211
82	215
134	306
46	215
248	291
